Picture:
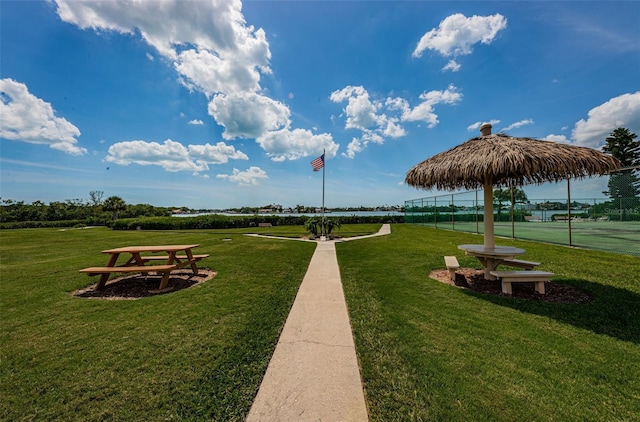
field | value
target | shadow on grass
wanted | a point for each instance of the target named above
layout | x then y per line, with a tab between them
613	312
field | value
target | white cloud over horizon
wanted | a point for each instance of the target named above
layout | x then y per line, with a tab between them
620	111
249	177
27	118
298	143
172	156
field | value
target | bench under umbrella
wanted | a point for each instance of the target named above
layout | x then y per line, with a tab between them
500	160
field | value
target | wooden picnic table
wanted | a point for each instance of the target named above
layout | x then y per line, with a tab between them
490	258
173	256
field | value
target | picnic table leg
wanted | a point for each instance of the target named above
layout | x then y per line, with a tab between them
489	265
137	258
194	267
165	280
506	288
171	259
104	277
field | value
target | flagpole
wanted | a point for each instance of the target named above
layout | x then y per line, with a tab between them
324	158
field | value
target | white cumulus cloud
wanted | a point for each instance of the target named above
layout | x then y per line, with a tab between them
518	124
209	42
561	139
452	66
196	122
28	118
249	177
205	71
359	144
215	52
298	143
219	153
248	115
172	155
361	112
354	147
211	46
620	111
456	35
380	119
476	125
425	111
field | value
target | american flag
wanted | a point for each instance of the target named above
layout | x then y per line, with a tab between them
318	163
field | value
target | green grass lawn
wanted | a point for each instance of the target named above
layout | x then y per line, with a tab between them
197	354
431	351
428	351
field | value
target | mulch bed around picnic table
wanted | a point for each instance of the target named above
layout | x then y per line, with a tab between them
473	279
138	286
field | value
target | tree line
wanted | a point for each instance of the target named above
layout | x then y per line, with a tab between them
92	211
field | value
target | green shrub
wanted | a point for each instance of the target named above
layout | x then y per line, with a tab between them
218	221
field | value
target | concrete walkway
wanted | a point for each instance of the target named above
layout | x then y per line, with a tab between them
314	374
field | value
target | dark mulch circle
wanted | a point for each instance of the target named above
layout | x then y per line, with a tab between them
138	286
473	279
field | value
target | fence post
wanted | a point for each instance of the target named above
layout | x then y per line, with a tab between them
453	218
513	227
435	210
477	219
621	211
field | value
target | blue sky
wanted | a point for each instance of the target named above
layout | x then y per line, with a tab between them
213	106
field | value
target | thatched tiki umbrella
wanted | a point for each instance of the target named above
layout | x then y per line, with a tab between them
501	160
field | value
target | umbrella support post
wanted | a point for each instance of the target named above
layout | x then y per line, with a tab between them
488	214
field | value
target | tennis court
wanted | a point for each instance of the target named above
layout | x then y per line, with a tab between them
616	236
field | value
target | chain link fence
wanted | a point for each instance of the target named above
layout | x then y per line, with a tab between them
610	223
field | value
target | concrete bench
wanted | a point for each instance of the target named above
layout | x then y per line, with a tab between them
527	265
536	277
264	225
452	265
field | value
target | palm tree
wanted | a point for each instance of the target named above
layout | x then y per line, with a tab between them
115	204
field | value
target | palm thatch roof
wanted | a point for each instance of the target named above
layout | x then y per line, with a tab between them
508	161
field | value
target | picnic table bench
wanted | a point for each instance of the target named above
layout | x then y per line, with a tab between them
527	265
452	265
136	262
536	277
